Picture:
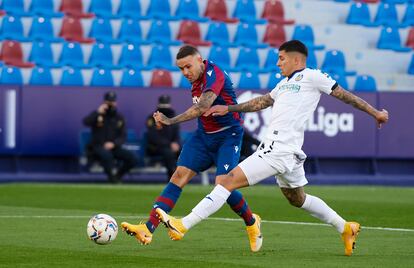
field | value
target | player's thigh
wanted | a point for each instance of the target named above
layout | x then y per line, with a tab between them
256	169
195	155
228	154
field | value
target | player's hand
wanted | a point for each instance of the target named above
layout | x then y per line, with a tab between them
217	110
381	117
160	118
109	145
102	108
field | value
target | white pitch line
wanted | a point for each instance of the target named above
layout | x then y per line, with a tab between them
211	218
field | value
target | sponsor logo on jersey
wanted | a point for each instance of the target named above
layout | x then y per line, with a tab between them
290	87
226	166
299	77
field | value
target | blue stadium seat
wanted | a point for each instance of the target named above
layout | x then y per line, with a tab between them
408	19
411	66
131	57
160	32
396	1
101	56
335	63
390	39
101	8
42	54
311	61
274	78
246	11
218	33
44	8
359	14
72	55
11	76
41	77
386	15
101	30
71	77
131	78
305	34
160	10
189	10
102	78
42	30
160	58
365	83
249	80
131	32
130	9
246	35
12	28
184	83
248	60
220	56
271	60
341	80
14	7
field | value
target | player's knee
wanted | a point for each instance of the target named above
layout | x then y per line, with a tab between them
296	202
226	181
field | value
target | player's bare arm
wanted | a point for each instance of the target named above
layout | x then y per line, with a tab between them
349	98
205	102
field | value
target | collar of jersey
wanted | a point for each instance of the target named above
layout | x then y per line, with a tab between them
295	72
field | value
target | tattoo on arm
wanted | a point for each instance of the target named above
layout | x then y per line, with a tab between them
253	105
205	102
353	100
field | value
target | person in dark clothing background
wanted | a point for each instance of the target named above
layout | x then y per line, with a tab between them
108	135
164	141
249	145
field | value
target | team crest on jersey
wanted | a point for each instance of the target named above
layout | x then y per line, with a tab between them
299	77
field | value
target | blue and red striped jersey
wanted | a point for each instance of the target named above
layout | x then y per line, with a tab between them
216	80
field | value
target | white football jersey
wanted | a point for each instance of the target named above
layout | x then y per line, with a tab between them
296	99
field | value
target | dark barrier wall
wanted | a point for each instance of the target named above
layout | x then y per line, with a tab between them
46	121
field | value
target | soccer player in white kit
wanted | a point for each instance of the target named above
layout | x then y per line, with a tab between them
294	100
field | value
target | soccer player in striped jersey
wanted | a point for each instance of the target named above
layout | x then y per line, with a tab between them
216	141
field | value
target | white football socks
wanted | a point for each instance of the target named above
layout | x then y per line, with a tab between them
208	206
319	209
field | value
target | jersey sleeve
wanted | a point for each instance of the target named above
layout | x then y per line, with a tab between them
323	82
214	80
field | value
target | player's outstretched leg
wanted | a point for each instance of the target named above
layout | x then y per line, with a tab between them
349	236
176	229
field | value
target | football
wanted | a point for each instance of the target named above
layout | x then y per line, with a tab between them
102	229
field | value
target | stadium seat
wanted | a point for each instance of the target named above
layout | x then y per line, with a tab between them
159	10
160	58
271	60
71	77
101	31
311	61
365	83
395	1
14	7
42	54
246	35
246	11
249	80
359	14
12	54
184	83
305	34
410	38
161	78
44	8
189	10
130	32
72	55
274	12
220	56
42	30
74	8
248	60
131	57
160	32
335	63
218	34
130	9
217	10
131	78
189	33
101	56
72	31
274	78
101	8
408	19
411	66
390	39
12	28
386	15
41	77
275	35
102	78
11	76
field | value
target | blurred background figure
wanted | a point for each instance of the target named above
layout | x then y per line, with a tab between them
249	145
108	135
164	141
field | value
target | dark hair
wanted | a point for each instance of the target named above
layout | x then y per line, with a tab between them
294	46
185	51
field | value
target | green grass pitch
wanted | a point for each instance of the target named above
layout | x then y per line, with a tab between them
44	225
